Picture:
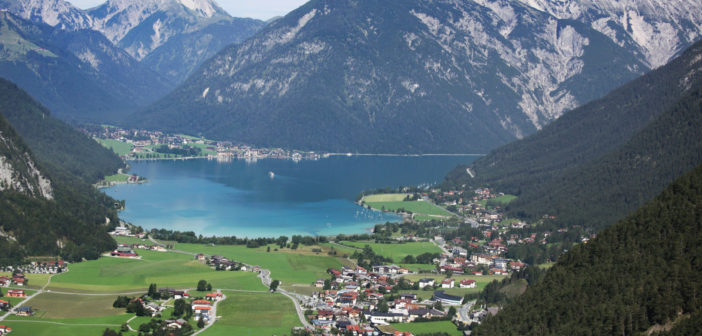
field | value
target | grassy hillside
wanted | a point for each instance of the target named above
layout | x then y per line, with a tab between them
643	271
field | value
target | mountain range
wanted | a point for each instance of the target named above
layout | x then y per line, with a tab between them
99	64
421	77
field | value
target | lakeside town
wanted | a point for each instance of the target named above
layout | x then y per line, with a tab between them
357	300
139	144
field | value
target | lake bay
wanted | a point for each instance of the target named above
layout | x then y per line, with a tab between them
241	198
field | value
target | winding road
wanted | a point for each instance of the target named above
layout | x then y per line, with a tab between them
265	276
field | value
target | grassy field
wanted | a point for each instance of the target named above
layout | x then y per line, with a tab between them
417	207
60	306
423	218
162	268
35	281
254	314
132	240
397	251
117	178
119	147
481	282
385	198
287	267
419	328
419	267
49	328
65	327
505	199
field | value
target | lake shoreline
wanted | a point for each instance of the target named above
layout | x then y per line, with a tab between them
311	197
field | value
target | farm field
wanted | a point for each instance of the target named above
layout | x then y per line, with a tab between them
481	282
117	178
132	240
119	147
416	207
397	251
419	267
287	267
162	268
65	306
419	328
39	328
254	314
385	198
35	281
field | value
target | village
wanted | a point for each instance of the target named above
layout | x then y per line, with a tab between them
135	144
376	299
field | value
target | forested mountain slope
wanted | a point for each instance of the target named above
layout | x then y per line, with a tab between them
53	141
69	217
600	161
643	271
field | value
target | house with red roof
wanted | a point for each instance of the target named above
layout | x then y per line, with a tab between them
447	283
16	293
468	284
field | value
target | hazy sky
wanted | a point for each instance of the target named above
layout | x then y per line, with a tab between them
258	9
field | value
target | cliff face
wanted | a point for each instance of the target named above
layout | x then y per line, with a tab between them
18	170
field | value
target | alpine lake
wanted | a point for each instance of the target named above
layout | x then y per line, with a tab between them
271	197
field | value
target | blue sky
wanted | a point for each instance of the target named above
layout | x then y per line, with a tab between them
257	9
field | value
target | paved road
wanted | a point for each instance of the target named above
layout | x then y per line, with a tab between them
463	312
265	277
20	304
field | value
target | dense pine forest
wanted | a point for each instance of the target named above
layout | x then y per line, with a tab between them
644	271
73	224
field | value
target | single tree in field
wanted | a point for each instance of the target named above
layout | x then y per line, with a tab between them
201	286
274	285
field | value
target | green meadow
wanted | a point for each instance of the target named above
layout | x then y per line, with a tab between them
119	147
117	178
287	267
419	328
165	269
416	207
66	306
35	281
398	251
480	281
254	314
385	198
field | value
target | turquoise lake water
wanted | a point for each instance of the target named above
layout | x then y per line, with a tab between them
240	198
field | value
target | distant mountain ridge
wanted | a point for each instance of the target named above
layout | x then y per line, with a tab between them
416	77
171	37
78	74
